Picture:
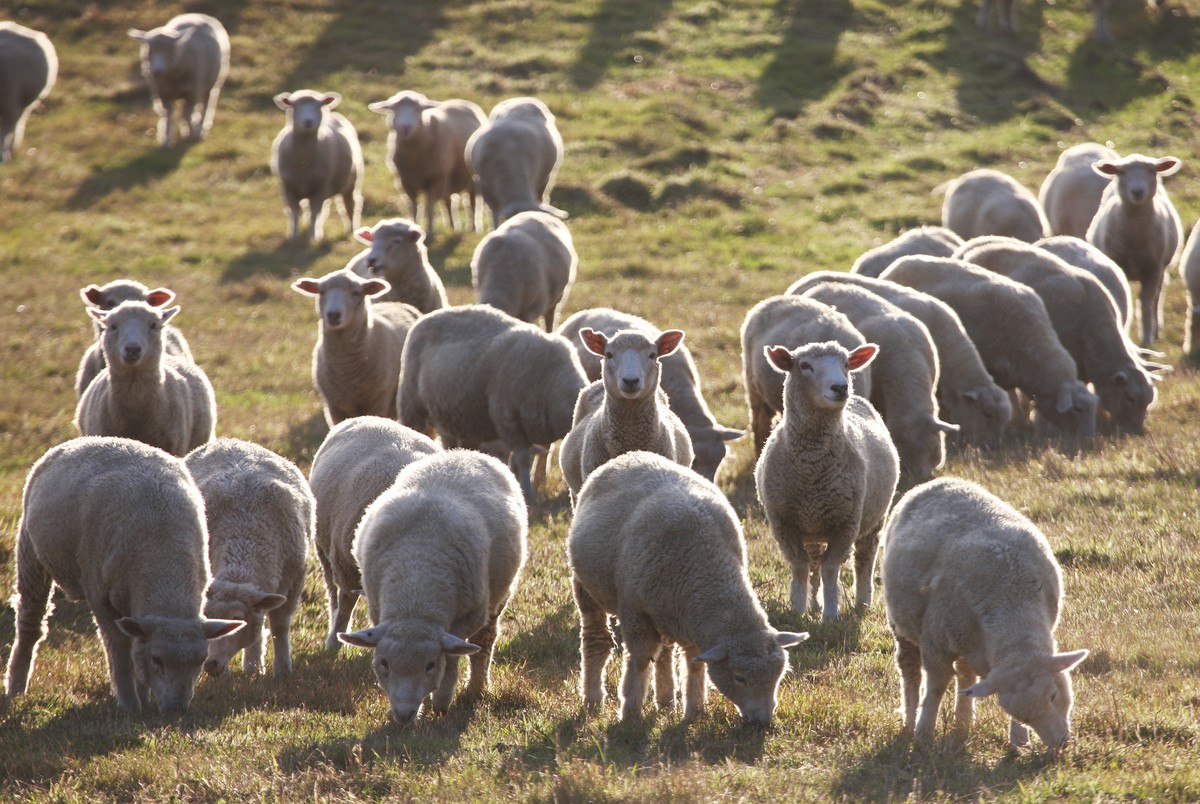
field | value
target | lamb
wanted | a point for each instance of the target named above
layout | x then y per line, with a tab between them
787	320
526	267
934	241
120	525
108	297
185	60
626	410
426	143
966	394
143	394
356	360
988	202
1189	272
1023	352
662	549
1071	193
478	375
679	379
261	516
440	553
1082	254
1138	227
316	156
514	158
972	589
827	473
397	254
357	461
28	69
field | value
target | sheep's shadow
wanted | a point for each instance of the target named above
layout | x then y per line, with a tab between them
805	65
540	648
1102	77
614	31
440	252
304	438
39	754
144	169
288	258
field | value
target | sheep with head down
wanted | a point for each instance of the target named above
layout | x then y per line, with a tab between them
514	158
28	70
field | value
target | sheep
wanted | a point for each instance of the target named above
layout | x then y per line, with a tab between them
1137	226
356	360
972	589
526	267
988	202
787	320
1004	15
142	393
426	143
1010	327
397	254
1082	254
934	241
679	380
1085	319
662	549
827	473
106	298
966	394
260	514
356	462
1071	193
626	410
120	525
477	374
1189	272
440	553
317	157
28	70
185	60
514	158
1100	9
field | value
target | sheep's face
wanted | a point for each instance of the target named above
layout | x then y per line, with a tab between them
396	242
242	602
160	48
132	332
747	670
407	116
307	109
1126	394
981	414
341	297
1038	694
630	368
708	445
1137	176
922	447
168	654
1071	409
818	375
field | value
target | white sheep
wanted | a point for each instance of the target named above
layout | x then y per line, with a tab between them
1071	193
1082	254
120	525
426	144
317	157
679	379
356	462
934	241
1138	227
476	375
356	360
185	60
440	553
988	202
28	69
142	393
973	590
261	516
398	255
1189	272
662	549
514	158
526	267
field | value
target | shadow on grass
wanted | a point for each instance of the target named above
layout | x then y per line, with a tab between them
305	438
540	649
287	259
614	29
805	66
142	170
38	754
440	251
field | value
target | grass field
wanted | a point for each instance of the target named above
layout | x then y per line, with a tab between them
716	151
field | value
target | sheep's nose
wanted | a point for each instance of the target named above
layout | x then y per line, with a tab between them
372	262
132	353
1137	194
404	714
630	384
333	319
840	390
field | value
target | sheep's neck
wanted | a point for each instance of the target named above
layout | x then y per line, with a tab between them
141	388
630	422
1011	641
805	426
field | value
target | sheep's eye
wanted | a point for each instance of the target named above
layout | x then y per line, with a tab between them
652	355
1054	696
154	327
986	414
805	366
429	667
608	355
383	665
739	679
158	662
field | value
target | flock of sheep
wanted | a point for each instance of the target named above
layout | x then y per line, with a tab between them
1014	312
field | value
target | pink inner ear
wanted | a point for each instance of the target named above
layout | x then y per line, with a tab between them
1107	168
309	286
159	297
861	357
593	340
328	99
669	341
92	294
780	356
364	234
414	235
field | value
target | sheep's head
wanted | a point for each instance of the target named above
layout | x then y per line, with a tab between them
819	371
1127	394
981	413
630	367
342	297
747	669
1038	694
132	332
106	297
236	601
1071	409
160	48
306	109
708	444
1137	176
393	242
921	442
168	653
407	110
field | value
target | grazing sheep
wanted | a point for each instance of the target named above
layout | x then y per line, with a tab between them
1189	272
398	255
526	267
514	157
261	517
1082	254
426	143
626	410
972	590
787	320
476	374
662	549
28	69
1010	327
1071	193
988	202
934	241
440	552
119	525
356	360
142	393
1138	227
827	473
185	60
679	380
317	157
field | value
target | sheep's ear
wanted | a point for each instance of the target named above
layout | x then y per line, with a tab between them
376	287
309	287
92	295
457	647
1064	662
98	314
331	99
728	433
135	627
1064	401
284	100
863	355
366	638
364	235
1120	378
779	357
416	234
269	602
1168	165
169	313
219	628
712	655
669	341
383	107
788	638
136	34
595	342
160	297
986	687
945	427
1106	168
970	396
555	211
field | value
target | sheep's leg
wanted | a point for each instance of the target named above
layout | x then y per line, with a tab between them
252	654
351	209
521	463
595	646
664	677
938	670
1100	30
866	550
118	647
448	202
166	124
481	661
964	705
331	592
414	208
1008	18
800	585
1149	298
831	567
281	638
697	684
430	213
345	607
33	609
445	691
1018	733
292	208
908	662
318	212
761	415
476	222
642	647
208	110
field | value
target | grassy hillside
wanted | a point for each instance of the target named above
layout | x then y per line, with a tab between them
715	152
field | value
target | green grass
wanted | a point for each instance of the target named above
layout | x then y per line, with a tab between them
715	152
